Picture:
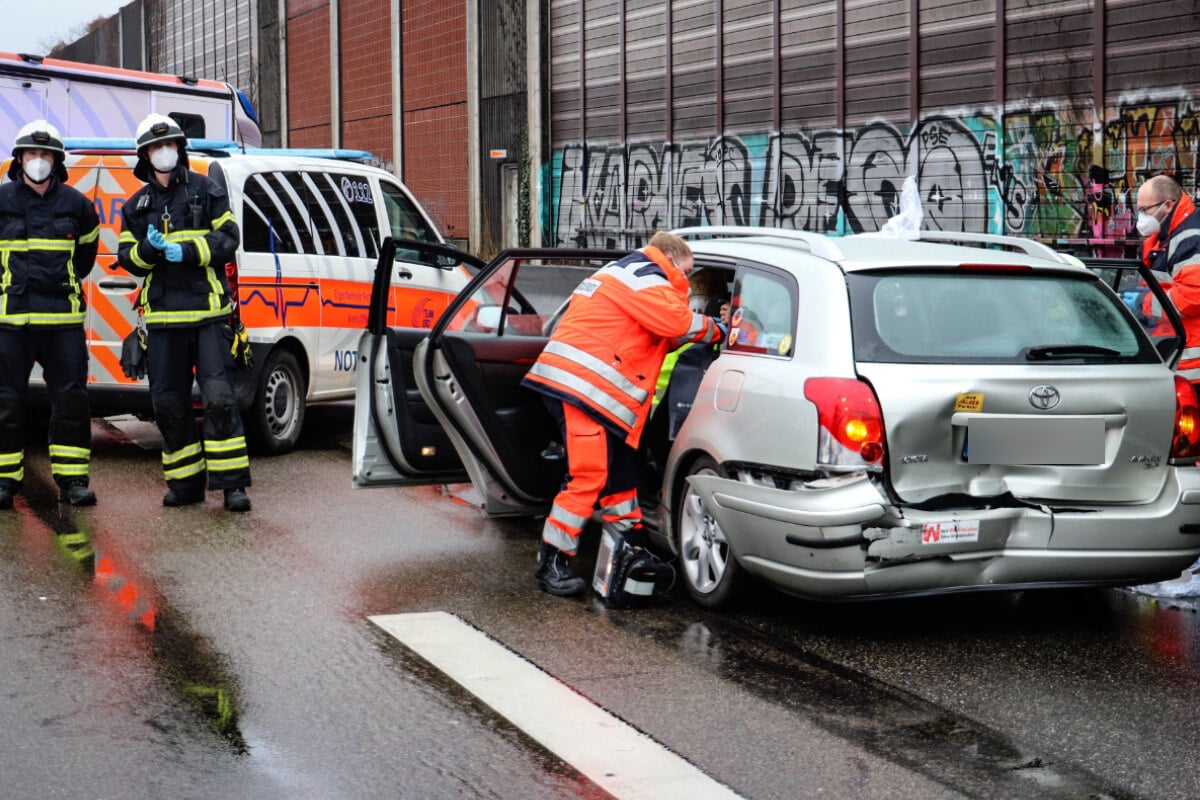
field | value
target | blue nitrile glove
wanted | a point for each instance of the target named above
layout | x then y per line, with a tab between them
722	327
173	251
1133	299
155	238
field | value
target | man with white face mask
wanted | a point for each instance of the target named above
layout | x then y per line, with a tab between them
178	234
1170	224
49	235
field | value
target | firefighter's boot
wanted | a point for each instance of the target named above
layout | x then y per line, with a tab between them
554	573
77	494
183	497
237	500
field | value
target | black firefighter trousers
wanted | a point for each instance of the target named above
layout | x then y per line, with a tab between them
172	356
62	352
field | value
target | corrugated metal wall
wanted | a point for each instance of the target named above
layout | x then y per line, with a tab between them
203	39
1018	116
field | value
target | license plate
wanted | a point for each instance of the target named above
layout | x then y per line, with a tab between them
1066	441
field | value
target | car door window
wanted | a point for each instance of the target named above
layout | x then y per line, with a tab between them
763	313
521	297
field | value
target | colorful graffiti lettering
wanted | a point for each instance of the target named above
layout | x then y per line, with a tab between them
1030	174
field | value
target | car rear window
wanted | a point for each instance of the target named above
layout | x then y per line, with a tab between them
968	316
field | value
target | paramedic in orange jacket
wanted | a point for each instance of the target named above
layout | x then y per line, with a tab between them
597	375
1171	224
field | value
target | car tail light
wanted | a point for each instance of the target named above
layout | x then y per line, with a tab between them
849	423
1185	440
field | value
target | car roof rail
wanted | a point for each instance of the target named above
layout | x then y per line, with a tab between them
818	243
1027	246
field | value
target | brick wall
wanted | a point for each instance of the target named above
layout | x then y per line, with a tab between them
435	110
308	85
366	79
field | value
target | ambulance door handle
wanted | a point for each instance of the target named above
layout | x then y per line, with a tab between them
404	274
117	283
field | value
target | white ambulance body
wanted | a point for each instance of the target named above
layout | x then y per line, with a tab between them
90	101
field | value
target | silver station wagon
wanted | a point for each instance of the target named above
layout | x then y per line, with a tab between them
887	417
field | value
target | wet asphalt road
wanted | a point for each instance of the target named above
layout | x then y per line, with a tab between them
190	653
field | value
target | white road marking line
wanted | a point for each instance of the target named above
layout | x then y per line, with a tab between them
621	760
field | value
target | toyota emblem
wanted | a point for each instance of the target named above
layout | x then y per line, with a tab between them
1044	397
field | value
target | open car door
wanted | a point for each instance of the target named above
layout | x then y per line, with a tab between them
470	368
397	439
468	372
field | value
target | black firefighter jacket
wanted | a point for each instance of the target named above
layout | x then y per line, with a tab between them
192	211
48	245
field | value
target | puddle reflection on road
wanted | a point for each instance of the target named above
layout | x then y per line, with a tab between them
186	661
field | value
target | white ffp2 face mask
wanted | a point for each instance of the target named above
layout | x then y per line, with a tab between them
164	159
1147	225
38	169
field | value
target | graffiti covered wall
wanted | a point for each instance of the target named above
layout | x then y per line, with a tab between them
1029	173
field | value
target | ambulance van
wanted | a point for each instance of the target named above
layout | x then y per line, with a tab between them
311	228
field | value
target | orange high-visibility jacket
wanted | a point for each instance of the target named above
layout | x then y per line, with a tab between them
1184	291
1169	249
609	347
1177	252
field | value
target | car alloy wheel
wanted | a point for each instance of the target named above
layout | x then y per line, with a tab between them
711	571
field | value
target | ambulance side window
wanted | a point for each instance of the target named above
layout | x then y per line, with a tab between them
294	206
356	197
338	209
266	227
403	217
322	238
322	217
408	223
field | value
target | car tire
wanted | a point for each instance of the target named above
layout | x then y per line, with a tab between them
276	415
711	572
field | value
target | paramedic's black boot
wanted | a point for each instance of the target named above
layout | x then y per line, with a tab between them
6	499
554	573
77	494
237	500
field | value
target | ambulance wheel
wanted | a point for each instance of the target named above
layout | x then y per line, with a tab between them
711	572
276	417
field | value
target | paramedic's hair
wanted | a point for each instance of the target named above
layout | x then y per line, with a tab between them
672	246
1165	187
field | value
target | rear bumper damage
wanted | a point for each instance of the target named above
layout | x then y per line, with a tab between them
842	538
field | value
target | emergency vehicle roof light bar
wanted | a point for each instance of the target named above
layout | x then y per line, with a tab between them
818	244
79	143
219	146
1027	246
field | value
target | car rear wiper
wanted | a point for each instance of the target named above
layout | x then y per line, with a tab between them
1050	351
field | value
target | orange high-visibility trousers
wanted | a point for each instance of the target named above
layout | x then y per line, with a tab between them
602	468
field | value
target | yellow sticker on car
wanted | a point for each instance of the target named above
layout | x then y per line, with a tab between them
785	345
969	401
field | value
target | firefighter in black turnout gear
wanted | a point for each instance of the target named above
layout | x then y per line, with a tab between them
49	234
178	233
